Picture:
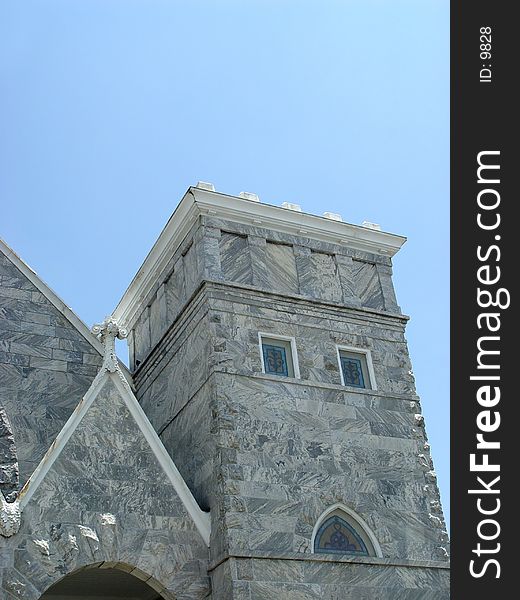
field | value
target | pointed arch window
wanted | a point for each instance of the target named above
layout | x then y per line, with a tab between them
337	536
340	530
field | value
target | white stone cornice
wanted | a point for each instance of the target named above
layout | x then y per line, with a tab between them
292	222
175	231
199	201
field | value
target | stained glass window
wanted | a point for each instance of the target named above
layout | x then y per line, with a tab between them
278	356
275	360
337	536
352	372
354	368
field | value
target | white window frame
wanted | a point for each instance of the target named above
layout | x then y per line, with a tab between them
370	367
283	338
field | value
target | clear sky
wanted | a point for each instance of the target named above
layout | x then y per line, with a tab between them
110	109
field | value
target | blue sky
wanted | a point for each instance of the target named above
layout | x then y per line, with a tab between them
110	109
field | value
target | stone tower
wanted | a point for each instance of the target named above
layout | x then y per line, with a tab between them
268	351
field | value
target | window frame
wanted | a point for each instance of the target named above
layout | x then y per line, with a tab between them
294	354
371	383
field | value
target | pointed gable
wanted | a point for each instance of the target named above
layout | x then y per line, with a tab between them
109	451
48	359
108	484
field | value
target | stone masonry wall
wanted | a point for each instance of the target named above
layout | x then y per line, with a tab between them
319	577
221	250
270	454
282	437
46	366
175	386
105	502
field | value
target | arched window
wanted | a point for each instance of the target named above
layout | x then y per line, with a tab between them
336	535
340	531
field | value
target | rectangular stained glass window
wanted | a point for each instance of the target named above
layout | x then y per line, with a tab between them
275	360
354	369
278	356
352	373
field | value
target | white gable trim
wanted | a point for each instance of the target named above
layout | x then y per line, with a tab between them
51	296
200	518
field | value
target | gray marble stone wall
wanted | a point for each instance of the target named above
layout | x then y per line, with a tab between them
46	365
175	387
268	455
105	502
220	250
317	330
235	259
318	578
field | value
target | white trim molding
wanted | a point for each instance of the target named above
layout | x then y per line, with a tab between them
370	365
200	518
283	338
197	202
361	525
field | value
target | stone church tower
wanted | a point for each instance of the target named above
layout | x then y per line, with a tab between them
267	442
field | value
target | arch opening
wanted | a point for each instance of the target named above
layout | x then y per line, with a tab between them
102	584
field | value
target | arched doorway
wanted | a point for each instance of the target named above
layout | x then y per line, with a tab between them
101	584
